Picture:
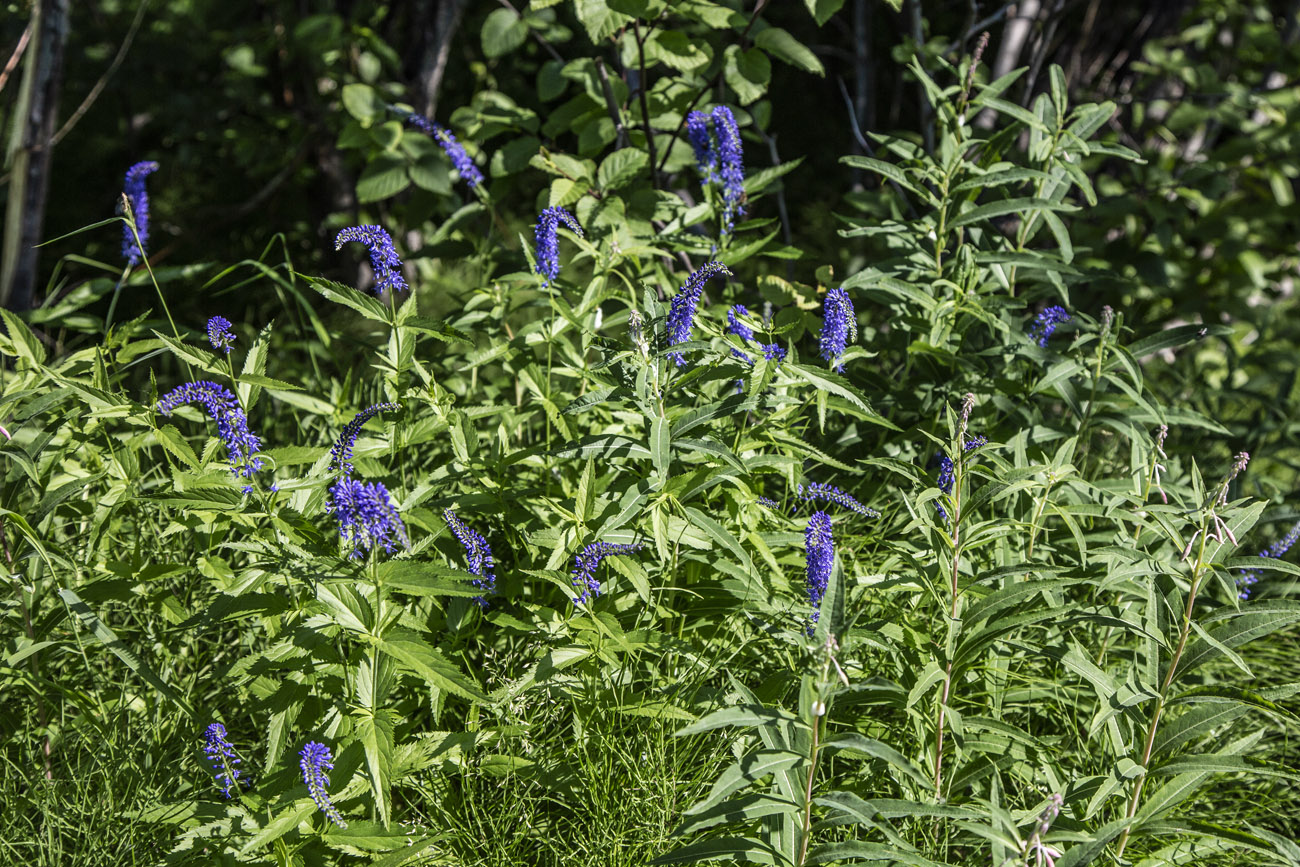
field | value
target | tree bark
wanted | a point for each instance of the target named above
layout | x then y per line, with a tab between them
29	153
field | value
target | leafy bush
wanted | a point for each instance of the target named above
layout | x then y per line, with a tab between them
613	545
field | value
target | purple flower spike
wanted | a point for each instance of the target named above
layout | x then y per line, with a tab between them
469	172
316	759
819	553
219	334
548	245
138	196
383	258
681	317
588	560
367	516
477	554
221	753
1046	323
839	326
719	155
232	425
818	491
945	471
341	453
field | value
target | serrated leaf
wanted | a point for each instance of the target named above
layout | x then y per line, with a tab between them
621	167
422	658
503	32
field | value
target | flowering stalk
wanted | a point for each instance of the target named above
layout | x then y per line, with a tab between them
383	257
367	516
221	753
839	326
232	425
1248	577
1045	324
719	155
315	760
219	334
819	559
548	245
681	315
588	560
341	452
469	172
137	196
478	555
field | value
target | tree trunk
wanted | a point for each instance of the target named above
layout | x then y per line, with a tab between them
29	153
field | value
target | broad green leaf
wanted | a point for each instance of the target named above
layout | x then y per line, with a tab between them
781	45
503	32
422	658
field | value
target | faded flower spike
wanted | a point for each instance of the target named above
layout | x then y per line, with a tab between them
138	196
383	258
839	326
681	317
478	555
588	560
945	471
367	516
316	759
219	334
548	245
1248	577
341	453
1046	323
818	491
232	424
819	555
221	753
720	158
469	172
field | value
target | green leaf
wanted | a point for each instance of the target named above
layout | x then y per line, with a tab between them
677	50
503	32
1008	206
366	305
862	744
422	658
384	177
375	731
858	851
742	773
362	102
747	73
745	716
822	10
22	342
745	849
781	45
1176	336
660	439
836	384
620	167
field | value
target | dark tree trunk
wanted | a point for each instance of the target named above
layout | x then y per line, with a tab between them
30	152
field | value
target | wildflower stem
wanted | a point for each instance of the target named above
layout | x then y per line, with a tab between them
1162	697
645	109
959	473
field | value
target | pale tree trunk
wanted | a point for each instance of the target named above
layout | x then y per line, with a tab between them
28	155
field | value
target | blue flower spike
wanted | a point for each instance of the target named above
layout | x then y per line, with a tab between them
232	425
548	244
341	452
681	316
367	516
1045	324
383	257
819	558
588	561
138	196
219	334
478	555
839	327
315	760
469	172
221	753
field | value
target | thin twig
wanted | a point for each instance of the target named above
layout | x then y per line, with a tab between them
17	55
103	79
645	109
540	41
620	129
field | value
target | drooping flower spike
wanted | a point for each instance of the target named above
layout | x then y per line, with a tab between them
839	326
315	760
367	516
1248	577
383	257
469	172
771	351
341	452
478	555
232	425
138	196
819	557
588	560
1045	324
681	316
219	334
815	491
221	753
548	245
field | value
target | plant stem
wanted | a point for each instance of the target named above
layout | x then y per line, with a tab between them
1161	699
808	789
